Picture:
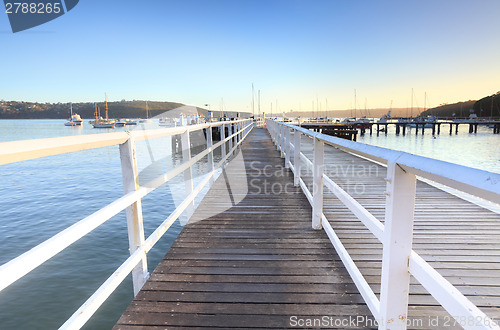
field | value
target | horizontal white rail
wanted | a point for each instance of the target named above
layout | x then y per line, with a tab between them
364	288
398	255
16	151
476	182
23	150
22	265
368	219
446	294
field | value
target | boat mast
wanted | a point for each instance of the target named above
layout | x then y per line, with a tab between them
95	112
106	99
71	108
147	110
259	103
411	109
355	115
492	100
253	101
425	100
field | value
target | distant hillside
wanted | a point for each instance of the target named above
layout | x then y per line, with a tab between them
488	106
485	107
459	109
121	109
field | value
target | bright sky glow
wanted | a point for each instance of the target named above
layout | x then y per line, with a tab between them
294	51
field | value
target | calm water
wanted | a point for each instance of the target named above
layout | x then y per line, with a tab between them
481	150
41	197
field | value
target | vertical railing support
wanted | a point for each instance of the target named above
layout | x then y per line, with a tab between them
241	126
278	136
272	131
282	141
238	130
210	155
296	157
288	148
318	168
188	173
398	235
222	138
229	133
135	223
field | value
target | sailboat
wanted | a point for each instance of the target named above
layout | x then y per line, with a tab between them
103	123
426	122
147	120
75	119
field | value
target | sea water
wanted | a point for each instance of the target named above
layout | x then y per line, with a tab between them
479	150
42	197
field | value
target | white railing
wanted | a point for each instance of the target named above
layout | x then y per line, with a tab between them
131	201
396	234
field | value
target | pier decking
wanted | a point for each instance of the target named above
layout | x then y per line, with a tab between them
259	264
253	266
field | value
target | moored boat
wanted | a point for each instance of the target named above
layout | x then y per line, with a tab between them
75	119
120	123
147	120
103	123
129	122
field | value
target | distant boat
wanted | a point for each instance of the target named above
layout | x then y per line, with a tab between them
129	122
147	120
120	123
74	120
427	122
103	123
384	118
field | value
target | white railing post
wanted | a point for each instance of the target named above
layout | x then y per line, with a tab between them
237	137
240	133
241	125
278	137
210	155
397	242
237	130
135	225
282	141
222	138
273	129
318	168
296	157
288	148
188	173
229	133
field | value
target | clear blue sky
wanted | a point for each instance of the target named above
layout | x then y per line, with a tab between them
296	52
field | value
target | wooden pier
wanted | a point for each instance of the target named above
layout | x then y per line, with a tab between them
260	265
253	266
351	129
342	130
